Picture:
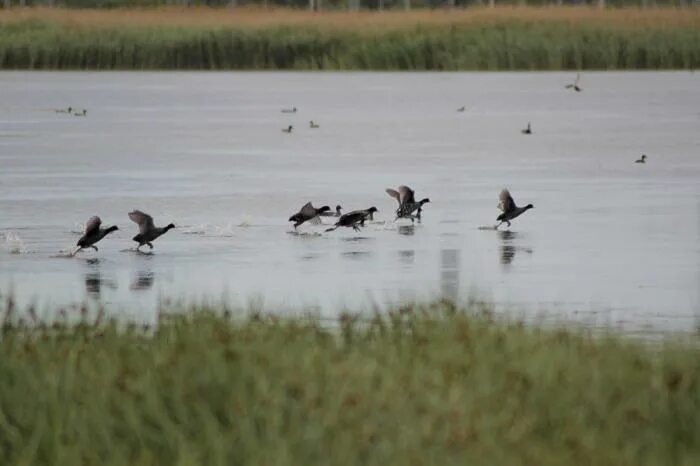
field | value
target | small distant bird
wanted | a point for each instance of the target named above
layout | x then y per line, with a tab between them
407	202
81	114
289	110
288	129
354	219
313	125
93	233
642	160
510	210
307	212
63	110
461	109
332	214
527	130
147	230
575	85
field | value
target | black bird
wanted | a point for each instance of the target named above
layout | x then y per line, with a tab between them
510	210
288	129
575	85
93	233
407	202
147	231
332	214
642	160
527	130
61	110
289	110
307	212
461	109
354	219
82	113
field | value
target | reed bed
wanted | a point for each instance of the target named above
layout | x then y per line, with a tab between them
250	39
429	384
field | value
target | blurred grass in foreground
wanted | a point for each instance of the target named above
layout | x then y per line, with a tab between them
473	39
422	385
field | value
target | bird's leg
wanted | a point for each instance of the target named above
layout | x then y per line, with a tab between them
356	228
508	223
95	248
138	248
150	245
496	227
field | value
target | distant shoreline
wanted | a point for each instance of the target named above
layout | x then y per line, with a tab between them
509	39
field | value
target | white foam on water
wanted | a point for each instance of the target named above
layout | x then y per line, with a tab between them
14	243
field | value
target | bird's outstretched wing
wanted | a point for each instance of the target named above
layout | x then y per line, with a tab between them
92	225
143	220
505	201
395	194
307	210
406	194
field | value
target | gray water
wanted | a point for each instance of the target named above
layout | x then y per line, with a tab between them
609	242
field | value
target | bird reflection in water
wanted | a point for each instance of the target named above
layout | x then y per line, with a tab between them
407	256
508	249
94	280
449	273
407	230
142	281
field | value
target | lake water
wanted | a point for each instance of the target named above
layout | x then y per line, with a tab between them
609	242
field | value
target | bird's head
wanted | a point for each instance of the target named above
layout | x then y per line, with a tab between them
325	208
372	210
170	226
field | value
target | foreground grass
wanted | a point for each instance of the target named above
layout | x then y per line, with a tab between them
430	385
473	39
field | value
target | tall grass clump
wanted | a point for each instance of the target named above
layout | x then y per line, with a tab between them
514	39
424	385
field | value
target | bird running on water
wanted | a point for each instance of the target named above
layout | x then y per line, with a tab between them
407	202
148	232
93	233
307	212
642	160
354	219
288	129
527	130
509	209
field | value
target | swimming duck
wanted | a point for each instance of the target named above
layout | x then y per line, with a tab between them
407	202
93	233
313	125
62	110
575	85
332	214
510	210
461	109
288	129
147	230
81	114
289	110
354	219
307	212
527	130
642	160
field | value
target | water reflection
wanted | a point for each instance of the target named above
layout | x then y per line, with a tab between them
508	249
449	273
94	282
407	230
407	256
142	281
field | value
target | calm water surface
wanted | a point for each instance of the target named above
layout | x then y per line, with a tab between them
610	242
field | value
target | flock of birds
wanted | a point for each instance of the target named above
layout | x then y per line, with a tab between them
408	206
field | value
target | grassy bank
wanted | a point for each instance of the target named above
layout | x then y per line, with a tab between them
427	386
473	39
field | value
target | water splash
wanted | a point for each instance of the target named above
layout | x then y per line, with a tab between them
14	243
